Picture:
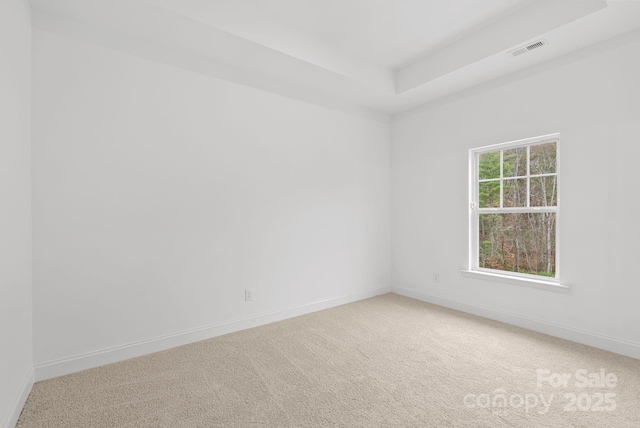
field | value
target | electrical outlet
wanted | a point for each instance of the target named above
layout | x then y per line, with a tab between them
248	295
436	277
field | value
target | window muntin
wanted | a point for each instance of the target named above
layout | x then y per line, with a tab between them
514	208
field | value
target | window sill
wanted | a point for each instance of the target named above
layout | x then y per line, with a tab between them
526	282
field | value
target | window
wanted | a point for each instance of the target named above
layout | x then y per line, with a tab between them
514	209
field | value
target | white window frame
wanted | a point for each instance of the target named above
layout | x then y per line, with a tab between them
474	270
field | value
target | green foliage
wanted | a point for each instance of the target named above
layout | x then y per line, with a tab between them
489	194
489	165
518	242
514	162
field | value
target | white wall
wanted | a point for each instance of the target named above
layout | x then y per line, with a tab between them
593	99
15	207
161	194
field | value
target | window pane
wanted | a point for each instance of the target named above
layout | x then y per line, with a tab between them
515	162
489	194
489	165
543	159
544	191
523	242
515	193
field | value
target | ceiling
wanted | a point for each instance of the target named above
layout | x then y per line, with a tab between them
374	58
387	33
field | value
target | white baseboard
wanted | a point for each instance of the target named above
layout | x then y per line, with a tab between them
19	402
77	363
612	344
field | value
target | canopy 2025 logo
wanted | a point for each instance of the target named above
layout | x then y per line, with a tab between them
583	379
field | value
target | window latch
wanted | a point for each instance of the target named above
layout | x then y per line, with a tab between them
472	205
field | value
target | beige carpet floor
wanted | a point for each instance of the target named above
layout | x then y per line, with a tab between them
388	361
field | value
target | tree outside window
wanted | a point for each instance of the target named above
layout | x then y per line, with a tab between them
515	207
